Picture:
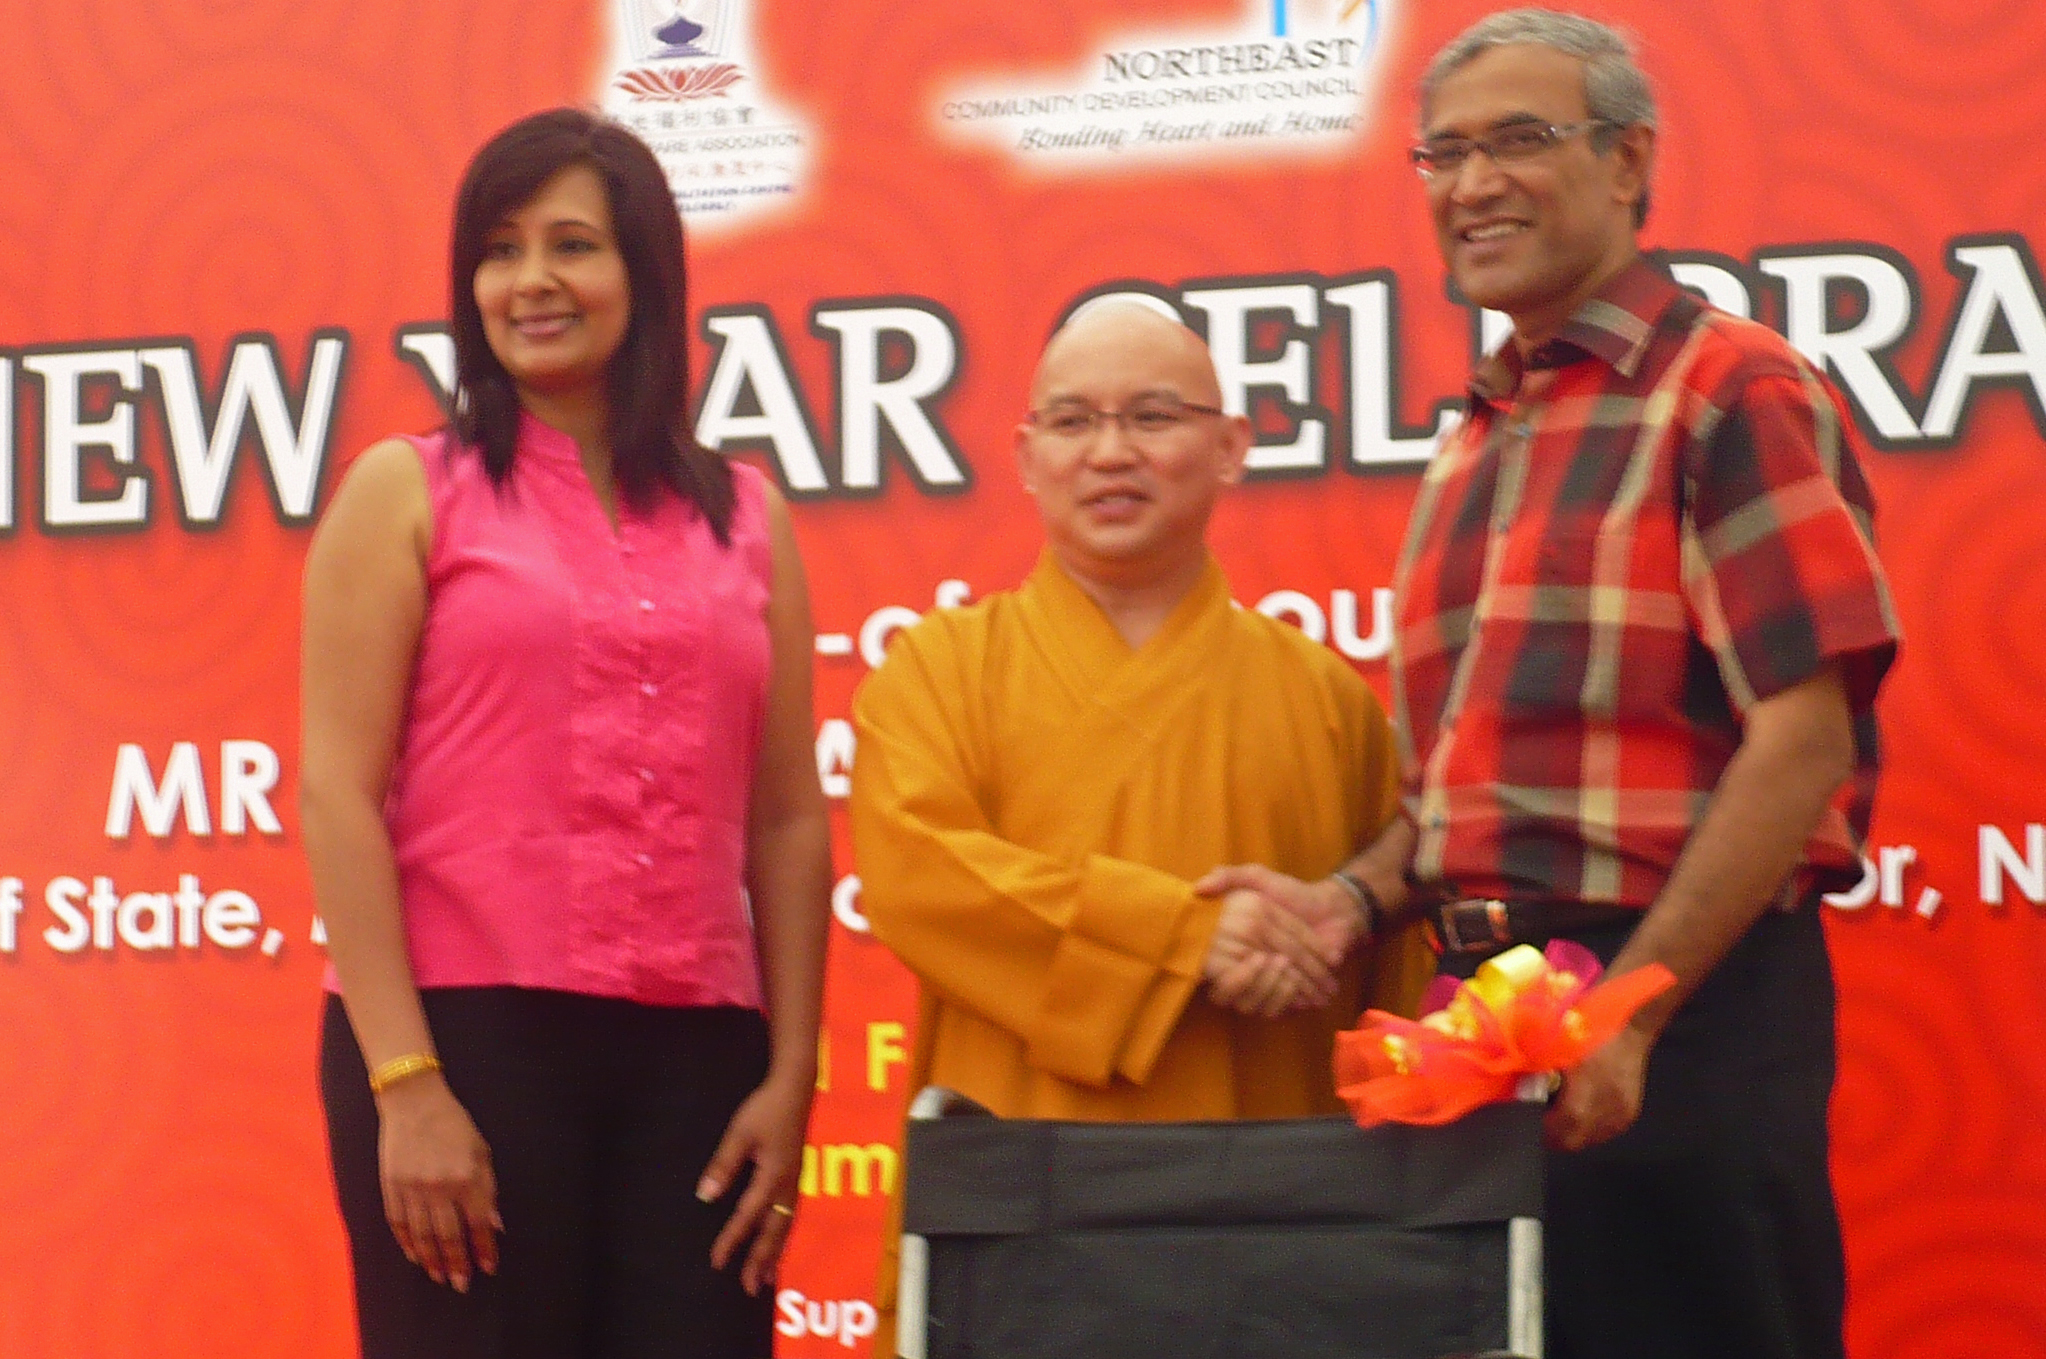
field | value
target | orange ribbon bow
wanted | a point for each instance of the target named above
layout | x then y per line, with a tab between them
1524	1012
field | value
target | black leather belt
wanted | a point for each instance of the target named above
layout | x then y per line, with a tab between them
1488	924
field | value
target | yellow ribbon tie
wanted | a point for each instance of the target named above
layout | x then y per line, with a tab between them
1501	980
1402	1054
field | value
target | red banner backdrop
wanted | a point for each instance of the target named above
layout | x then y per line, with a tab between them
223	274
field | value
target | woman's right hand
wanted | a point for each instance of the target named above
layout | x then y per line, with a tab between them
440	1196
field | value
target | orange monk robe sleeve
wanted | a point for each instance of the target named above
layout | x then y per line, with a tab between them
1090	963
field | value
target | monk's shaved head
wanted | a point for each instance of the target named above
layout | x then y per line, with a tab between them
1126	447
1122	328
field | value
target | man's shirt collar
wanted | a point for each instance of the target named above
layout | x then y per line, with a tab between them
1614	325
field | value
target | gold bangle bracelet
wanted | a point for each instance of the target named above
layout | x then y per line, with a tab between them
399	1068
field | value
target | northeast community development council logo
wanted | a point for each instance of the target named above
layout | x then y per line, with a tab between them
681	75
1290	76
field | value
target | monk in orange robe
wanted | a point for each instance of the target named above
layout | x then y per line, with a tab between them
1044	776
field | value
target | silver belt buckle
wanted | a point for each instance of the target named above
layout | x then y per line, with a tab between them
1492	912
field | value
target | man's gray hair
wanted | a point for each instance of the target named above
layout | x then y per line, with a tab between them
1615	89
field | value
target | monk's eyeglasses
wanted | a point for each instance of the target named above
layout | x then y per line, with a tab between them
1149	419
1508	145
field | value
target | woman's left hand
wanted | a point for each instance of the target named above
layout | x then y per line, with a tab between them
766	1131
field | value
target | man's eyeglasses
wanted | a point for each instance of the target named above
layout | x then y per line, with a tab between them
1503	145
1152	418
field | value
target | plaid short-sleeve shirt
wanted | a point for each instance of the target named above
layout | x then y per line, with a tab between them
1650	525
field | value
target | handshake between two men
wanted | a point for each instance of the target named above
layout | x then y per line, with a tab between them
1278	941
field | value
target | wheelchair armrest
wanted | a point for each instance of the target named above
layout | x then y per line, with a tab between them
935	1101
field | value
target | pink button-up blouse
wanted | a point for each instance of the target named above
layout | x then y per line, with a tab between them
569	800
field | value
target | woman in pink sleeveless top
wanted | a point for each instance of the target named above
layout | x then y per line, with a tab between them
561	810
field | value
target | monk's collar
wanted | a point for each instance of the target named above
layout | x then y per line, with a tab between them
1210	587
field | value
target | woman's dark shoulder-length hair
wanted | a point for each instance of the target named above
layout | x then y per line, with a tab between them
652	447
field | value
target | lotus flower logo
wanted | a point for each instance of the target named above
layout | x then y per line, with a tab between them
675	85
681	75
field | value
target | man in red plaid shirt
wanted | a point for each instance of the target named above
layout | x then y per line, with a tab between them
1641	625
